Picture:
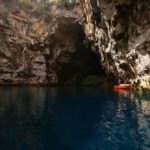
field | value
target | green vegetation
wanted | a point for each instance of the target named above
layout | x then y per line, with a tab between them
86	43
91	80
25	3
47	2
44	7
63	2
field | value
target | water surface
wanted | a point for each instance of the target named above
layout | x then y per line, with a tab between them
44	118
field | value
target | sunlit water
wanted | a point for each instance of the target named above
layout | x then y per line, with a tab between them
44	118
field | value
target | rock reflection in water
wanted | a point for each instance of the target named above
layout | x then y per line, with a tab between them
26	100
127	118
24	116
43	118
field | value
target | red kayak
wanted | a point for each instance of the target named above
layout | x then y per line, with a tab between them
123	86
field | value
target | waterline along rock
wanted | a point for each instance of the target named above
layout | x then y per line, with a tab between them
42	43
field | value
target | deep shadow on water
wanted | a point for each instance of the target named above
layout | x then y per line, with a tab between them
43	118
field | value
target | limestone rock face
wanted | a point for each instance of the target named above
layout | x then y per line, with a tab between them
119	31
40	49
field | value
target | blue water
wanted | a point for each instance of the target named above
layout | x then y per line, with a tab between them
44	118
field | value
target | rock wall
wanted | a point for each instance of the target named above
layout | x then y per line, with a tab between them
119	31
42	49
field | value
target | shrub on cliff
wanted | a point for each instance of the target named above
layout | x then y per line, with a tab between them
25	3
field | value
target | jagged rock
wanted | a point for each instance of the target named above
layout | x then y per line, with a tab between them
38	50
120	32
39	59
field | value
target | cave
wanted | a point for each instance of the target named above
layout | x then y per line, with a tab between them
79	65
83	64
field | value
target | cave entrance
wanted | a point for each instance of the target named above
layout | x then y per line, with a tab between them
78	65
83	69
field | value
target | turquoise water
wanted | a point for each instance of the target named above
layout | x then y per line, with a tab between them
43	118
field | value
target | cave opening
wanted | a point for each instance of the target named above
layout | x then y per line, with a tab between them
82	65
83	69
